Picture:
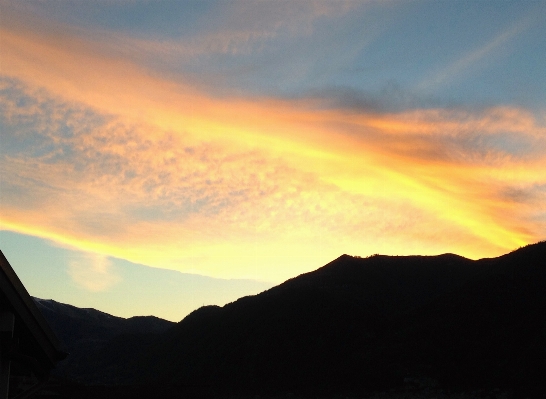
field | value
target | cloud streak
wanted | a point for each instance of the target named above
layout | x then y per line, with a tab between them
450	72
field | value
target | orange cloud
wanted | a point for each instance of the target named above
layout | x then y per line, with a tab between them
120	162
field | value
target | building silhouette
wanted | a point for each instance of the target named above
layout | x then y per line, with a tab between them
28	347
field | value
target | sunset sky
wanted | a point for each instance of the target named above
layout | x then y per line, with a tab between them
156	156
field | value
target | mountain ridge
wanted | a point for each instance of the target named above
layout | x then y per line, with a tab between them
356	325
85	331
366	303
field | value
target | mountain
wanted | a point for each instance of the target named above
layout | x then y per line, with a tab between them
85	333
355	326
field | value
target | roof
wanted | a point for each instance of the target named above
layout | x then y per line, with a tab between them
35	337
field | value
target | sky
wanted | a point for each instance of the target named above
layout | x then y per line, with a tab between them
160	155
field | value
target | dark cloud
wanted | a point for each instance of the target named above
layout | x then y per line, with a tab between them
391	97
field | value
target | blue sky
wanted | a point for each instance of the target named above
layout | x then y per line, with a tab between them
122	288
247	142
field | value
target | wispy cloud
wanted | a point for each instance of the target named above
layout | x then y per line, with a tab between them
92	272
473	57
235	27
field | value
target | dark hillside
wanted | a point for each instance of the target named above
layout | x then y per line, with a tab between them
85	333
72	324
354	326
364	324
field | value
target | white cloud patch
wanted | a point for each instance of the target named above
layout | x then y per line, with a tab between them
93	272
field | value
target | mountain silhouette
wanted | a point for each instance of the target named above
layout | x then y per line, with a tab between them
358	325
85	333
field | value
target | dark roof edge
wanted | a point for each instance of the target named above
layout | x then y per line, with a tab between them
26	310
